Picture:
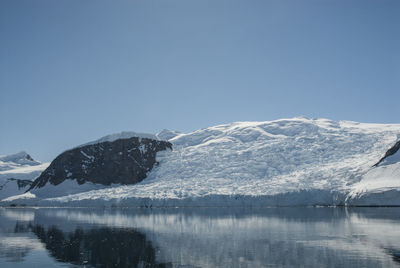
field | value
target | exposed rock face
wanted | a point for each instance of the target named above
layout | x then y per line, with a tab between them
390	152
123	161
20	183
13	186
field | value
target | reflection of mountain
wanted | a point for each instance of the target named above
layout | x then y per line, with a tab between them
12	252
395	253
14	247
15	242
104	247
288	237
284	237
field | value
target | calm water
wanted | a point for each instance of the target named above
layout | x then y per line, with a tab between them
288	237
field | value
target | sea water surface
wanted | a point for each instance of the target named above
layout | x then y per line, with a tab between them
200	237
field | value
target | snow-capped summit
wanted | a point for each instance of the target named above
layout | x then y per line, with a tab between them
20	159
167	134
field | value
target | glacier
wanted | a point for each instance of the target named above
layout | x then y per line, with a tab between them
287	162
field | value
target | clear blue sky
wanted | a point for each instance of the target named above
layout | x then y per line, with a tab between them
74	70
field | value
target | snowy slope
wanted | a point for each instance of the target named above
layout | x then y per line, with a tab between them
167	134
379	186
16	173
297	161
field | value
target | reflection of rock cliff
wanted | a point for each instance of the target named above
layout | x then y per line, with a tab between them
14	244
104	247
123	161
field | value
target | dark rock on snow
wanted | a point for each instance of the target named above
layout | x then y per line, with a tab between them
390	152
123	161
21	183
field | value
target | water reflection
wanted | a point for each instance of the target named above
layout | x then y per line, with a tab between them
102	247
289	237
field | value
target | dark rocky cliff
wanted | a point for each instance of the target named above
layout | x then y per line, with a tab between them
123	161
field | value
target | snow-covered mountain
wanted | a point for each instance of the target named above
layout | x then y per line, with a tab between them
17	160
17	173
296	161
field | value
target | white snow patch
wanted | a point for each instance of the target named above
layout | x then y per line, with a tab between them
122	135
167	134
20	171
142	149
24	196
380	186
67	187
90	157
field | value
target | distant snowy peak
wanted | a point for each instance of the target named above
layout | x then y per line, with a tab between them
167	134
22	158
17	160
120	136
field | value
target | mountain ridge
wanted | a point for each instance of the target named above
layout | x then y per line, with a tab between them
296	161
